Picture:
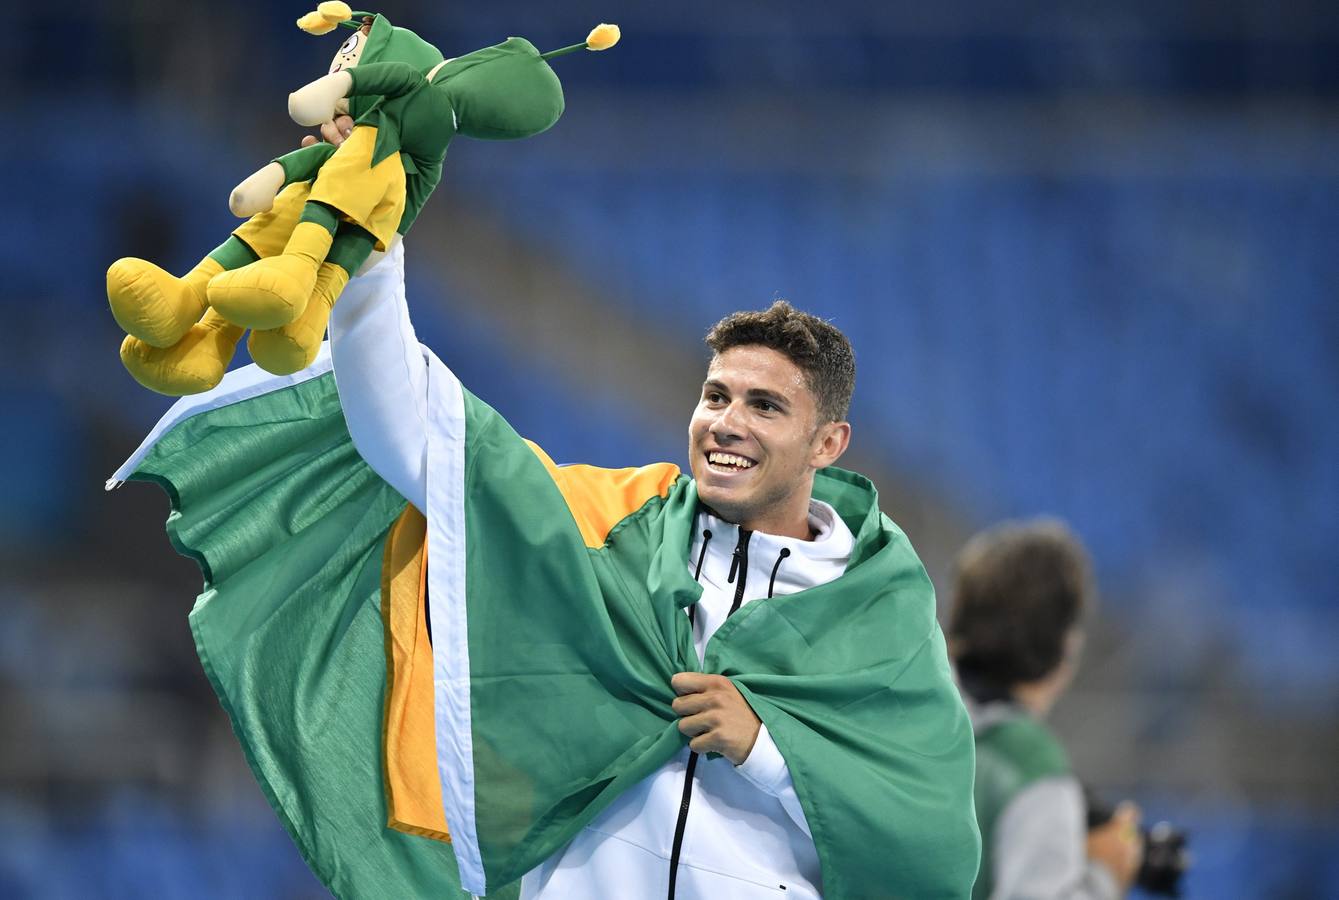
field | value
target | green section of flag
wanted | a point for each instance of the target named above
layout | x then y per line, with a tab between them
570	657
288	524
566	643
852	679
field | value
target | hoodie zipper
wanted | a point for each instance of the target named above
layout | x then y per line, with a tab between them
739	566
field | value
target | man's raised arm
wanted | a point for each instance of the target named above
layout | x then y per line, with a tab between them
382	376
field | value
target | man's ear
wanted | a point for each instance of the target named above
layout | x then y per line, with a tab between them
830	443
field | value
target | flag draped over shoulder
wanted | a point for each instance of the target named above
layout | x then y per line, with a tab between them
509	693
288	525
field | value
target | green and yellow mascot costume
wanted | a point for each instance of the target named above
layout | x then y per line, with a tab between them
316	214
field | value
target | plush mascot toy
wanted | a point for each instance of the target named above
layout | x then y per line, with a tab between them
316	214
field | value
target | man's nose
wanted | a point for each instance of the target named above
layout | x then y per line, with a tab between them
728	423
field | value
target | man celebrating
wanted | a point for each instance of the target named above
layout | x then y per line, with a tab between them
771	415
615	683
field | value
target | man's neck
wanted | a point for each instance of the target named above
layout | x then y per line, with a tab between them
779	526
803	531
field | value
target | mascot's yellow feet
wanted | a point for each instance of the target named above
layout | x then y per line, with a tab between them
294	346
273	292
193	365
154	305
266	294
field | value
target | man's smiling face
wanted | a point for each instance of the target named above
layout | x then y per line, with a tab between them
755	441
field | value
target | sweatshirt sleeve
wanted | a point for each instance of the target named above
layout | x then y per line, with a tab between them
382	376
1039	847
765	768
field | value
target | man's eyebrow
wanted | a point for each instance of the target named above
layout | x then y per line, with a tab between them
711	384
764	394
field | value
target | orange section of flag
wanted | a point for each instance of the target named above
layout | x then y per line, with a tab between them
413	789
601	498
598	499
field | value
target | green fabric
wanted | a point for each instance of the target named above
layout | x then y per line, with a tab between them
1010	756
564	642
391	43
351	247
410	118
389	93
287	523
320	214
503	92
389	59
233	254
390	78
851	678
303	164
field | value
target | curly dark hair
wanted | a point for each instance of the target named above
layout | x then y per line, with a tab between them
1018	589
820	350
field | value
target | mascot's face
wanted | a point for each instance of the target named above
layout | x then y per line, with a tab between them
349	52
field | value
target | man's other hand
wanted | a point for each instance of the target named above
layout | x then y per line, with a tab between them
1117	845
332	132
715	715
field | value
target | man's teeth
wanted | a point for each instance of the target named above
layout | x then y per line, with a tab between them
729	459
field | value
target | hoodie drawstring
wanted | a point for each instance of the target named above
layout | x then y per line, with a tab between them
706	539
740	555
771	582
741	558
697	574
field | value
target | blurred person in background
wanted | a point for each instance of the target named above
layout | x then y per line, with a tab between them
1019	597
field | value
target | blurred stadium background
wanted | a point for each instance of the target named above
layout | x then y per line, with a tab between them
1086	253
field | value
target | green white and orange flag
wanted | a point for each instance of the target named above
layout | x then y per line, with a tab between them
436	704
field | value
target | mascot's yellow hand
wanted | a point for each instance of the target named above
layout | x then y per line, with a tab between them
317	102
